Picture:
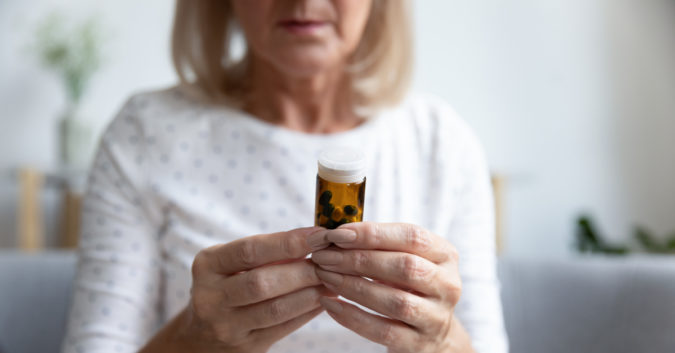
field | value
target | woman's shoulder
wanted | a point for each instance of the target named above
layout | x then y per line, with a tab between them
176	98
153	117
168	108
436	121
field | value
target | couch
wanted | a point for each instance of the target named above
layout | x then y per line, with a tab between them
579	304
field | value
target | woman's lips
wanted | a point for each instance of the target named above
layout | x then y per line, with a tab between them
302	27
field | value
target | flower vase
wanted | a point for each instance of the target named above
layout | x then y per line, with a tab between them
75	140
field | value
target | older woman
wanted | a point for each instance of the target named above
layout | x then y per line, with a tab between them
195	234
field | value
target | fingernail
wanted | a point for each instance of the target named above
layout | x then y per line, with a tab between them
327	257
331	278
317	240
341	236
330	304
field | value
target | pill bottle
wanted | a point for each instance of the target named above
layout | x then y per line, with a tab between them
340	187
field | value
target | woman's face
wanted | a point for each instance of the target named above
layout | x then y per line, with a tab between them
302	38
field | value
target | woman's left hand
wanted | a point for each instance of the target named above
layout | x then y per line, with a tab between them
416	284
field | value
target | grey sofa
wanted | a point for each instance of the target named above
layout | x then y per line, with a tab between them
575	305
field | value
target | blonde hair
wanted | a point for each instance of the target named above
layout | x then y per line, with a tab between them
379	69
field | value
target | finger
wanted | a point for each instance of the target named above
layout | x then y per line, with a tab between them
394	303
251	252
267	282
319	240
402	269
395	237
385	331
279	310
275	333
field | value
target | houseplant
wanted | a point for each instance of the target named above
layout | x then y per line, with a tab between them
73	51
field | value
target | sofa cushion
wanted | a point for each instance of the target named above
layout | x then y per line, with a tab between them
590	304
34	296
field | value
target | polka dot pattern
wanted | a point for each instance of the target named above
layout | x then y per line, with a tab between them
172	177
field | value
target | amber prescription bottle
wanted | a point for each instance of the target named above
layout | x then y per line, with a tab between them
340	187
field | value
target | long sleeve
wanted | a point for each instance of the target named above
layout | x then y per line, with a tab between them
472	232
116	300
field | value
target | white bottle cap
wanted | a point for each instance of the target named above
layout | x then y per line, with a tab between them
342	165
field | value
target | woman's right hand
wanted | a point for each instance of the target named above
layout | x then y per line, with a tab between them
250	293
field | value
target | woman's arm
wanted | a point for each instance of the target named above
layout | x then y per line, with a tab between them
168	339
245	295
115	307
472	231
459	338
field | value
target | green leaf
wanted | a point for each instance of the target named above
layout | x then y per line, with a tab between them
73	51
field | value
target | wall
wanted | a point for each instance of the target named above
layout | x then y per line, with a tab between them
641	43
571	98
31	98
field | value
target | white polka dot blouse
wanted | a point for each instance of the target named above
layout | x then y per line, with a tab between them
173	175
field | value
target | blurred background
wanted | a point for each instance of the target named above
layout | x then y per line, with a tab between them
574	101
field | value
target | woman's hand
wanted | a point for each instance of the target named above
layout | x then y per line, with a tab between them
248	294
240	304
416	285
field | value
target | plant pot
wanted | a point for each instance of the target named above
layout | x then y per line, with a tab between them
75	140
